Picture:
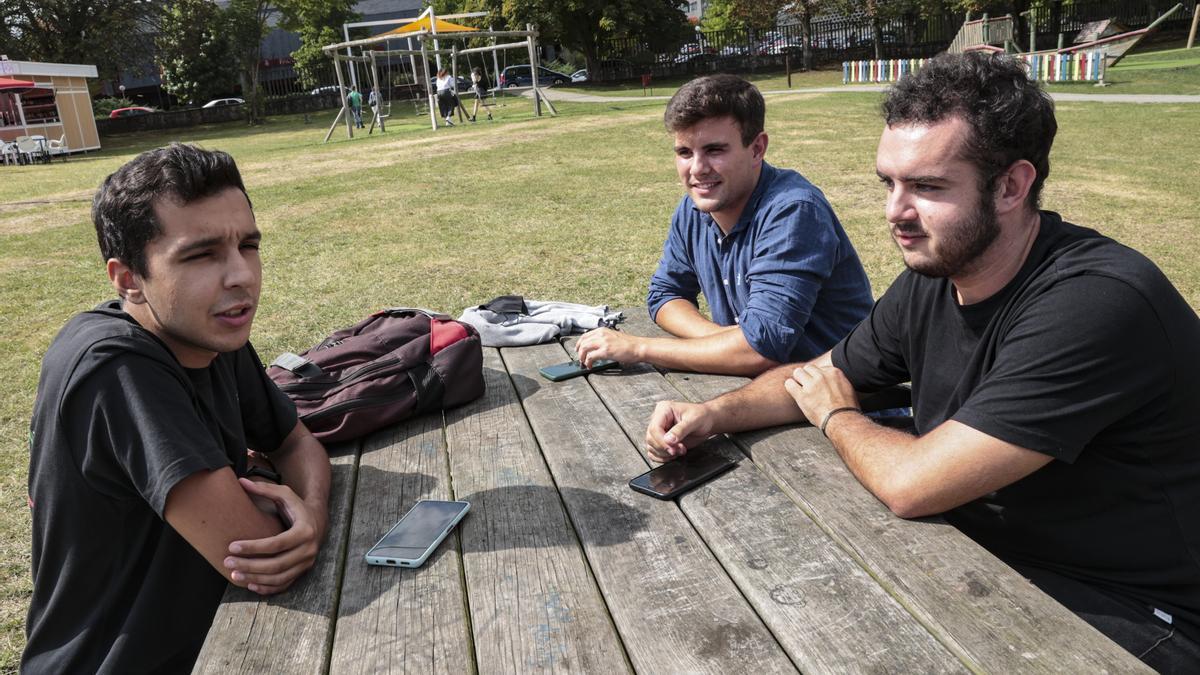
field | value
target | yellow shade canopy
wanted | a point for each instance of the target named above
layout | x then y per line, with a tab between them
422	25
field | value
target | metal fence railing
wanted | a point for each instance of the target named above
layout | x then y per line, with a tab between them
839	39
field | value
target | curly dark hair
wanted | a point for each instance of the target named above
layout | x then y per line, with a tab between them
1010	117
717	96
123	209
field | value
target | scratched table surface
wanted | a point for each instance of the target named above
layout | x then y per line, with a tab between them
783	564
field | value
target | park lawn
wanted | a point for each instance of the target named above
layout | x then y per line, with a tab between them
1170	71
570	208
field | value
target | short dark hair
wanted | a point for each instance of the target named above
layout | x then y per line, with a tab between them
1010	116
123	210
717	96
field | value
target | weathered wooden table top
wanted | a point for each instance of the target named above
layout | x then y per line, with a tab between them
785	563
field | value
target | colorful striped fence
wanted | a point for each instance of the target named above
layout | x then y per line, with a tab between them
884	70
1079	66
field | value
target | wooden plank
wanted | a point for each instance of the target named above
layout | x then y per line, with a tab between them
533	602
290	632
393	619
825	610
983	610
673	605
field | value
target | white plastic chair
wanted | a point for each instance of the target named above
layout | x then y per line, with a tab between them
8	152
58	146
30	147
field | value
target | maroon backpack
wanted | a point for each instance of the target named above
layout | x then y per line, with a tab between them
394	364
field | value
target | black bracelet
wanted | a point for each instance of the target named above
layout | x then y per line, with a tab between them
829	415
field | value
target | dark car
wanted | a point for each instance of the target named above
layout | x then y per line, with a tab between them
518	76
461	84
131	111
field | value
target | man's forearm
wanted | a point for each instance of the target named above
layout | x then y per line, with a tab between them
304	465
725	352
761	403
682	319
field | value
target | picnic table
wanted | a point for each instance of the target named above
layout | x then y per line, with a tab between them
785	563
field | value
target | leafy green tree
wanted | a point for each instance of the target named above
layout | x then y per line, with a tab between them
246	27
113	35
751	14
583	25
194	53
319	23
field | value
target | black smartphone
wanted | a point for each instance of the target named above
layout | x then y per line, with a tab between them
677	477
565	371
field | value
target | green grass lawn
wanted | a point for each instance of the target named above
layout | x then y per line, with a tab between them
1174	71
568	208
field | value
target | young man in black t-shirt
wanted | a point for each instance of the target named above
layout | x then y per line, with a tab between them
139	478
1055	372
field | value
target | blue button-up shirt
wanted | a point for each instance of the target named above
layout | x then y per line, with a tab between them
786	273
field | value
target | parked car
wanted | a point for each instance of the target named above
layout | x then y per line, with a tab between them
461	84
518	76
328	89
693	50
131	111
222	102
579	75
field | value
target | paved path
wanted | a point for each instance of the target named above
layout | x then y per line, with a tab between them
556	94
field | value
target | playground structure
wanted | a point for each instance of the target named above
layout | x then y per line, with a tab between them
429	31
1100	46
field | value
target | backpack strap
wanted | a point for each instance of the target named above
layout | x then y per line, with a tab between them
392	311
297	364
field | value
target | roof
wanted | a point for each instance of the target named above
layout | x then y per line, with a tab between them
9	68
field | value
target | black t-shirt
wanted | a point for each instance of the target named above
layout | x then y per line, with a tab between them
116	424
1090	356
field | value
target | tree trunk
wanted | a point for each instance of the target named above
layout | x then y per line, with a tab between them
806	26
877	36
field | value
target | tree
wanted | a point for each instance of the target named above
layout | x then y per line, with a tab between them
806	10
113	35
246	27
878	12
583	25
746	14
318	22
194	53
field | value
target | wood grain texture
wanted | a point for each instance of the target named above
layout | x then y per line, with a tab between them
825	610
399	619
674	606
979	607
290	632
534	605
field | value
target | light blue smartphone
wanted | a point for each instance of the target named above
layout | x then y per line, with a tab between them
411	540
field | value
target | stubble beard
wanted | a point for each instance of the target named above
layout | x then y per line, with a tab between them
962	245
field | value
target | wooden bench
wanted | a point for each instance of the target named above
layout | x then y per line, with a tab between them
785	563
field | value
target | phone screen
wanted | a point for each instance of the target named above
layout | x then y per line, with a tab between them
681	475
423	526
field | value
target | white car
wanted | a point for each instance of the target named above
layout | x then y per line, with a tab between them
579	76
219	102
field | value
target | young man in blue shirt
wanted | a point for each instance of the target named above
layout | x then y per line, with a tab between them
763	245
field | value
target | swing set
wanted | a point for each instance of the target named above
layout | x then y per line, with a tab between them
428	30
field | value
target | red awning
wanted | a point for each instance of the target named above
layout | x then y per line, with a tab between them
6	83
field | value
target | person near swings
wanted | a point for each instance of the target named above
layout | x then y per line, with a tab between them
479	85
